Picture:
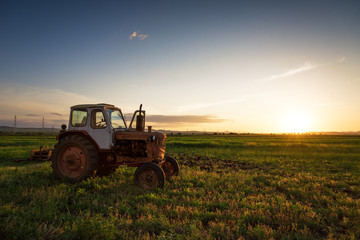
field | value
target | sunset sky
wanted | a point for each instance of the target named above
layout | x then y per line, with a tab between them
243	66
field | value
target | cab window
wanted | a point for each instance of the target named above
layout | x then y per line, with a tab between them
98	119
78	118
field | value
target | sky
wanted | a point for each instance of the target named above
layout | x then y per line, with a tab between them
238	66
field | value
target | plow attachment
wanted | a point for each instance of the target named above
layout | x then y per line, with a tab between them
42	154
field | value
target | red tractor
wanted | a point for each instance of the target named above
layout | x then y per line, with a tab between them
98	141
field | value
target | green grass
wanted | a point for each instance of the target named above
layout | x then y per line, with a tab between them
229	187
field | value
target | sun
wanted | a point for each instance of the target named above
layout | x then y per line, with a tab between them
296	122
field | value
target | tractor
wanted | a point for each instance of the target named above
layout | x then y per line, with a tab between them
98	140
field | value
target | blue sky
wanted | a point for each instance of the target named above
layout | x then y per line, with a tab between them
233	62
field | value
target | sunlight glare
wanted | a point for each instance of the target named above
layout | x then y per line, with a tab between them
296	122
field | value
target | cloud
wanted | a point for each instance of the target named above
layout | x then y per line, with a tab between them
27	102
304	68
56	114
143	36
133	35
137	35
196	106
184	119
328	104
22	122
169	119
341	60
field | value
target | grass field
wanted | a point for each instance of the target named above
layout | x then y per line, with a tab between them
229	187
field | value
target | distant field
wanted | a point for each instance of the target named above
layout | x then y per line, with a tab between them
229	187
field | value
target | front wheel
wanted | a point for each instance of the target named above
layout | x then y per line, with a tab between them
149	176
170	167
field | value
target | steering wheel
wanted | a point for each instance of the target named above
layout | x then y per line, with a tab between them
101	123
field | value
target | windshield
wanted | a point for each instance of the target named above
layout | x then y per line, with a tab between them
116	118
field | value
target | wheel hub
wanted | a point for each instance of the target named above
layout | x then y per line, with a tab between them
72	161
148	179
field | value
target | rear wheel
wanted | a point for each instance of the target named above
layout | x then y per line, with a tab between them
75	157
170	167
149	176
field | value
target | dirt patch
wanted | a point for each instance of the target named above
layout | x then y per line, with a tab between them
213	163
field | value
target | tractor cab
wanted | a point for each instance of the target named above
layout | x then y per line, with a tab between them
100	121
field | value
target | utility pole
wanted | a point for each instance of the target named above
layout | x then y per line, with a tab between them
43	124
14	130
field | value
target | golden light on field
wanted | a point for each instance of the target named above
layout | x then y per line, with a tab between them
296	122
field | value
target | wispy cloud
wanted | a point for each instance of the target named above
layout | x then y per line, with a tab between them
56	114
196	106
184	119
133	35
328	104
178	120
304	68
28	102
141	36
185	108
341	60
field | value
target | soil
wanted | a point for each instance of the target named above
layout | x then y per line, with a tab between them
213	163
